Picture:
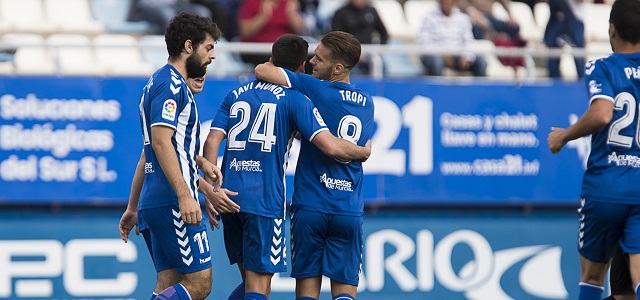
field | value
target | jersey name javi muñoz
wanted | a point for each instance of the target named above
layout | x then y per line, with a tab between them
167	101
260	120
614	162
322	183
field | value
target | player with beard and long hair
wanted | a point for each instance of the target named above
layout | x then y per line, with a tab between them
168	211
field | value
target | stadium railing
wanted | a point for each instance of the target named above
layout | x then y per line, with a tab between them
379	55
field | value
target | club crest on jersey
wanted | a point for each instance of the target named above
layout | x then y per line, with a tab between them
318	116
594	87
169	110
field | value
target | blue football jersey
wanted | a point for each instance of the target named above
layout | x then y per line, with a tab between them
614	162
322	183
260	121
167	101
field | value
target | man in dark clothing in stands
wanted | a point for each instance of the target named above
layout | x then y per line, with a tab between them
361	19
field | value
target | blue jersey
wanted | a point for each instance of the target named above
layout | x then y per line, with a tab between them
614	162
322	183
167	101
260	121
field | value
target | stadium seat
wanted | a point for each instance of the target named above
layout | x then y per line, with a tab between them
154	50
541	13
568	67
25	16
75	55
495	69
73	16
30	59
325	11
529	29
227	63
596	22
114	13
401	65
597	50
393	17
119	55
416	10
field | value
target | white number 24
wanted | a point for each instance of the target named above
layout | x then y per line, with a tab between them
261	130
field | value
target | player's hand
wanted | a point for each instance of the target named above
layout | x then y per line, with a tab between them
367	148
212	174
214	215
267	8
556	139
221	201
127	222
190	210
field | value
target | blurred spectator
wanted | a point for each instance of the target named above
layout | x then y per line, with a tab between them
361	19
219	14
485	24
565	27
263	21
160	12
309	10
447	27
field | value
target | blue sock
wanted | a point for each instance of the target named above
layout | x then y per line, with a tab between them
590	291
254	296
305	298
238	293
153	296
175	292
343	297
637	290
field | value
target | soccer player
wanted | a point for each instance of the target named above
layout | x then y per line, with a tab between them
170	127
129	218
260	121
327	204
610	197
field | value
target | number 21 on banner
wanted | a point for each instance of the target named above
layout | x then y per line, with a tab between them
417	117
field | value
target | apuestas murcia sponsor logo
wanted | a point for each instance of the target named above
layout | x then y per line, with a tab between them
336	184
245	165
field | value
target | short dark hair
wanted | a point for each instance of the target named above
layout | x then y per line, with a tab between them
345	48
289	51
624	17
187	26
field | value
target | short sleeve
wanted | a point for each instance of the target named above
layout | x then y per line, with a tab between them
166	103
304	83
306	117
599	85
221	120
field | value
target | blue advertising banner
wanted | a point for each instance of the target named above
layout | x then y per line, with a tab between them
77	140
77	254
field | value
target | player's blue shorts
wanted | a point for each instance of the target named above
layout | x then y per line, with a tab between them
172	243
257	242
326	244
603	224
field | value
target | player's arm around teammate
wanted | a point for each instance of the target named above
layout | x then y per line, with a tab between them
339	148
